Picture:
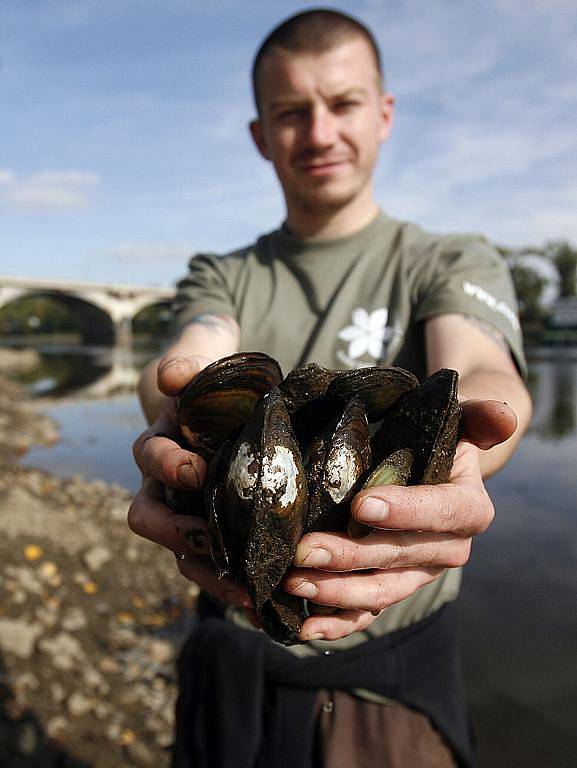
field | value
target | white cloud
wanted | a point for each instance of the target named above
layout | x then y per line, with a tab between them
6	177
49	190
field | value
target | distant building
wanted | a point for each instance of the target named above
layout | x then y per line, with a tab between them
564	313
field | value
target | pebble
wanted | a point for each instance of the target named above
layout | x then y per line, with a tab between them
49	574
46	616
26	578
79	705
131	554
113	732
56	727
17	636
94	680
33	552
96	557
74	620
141	754
109	665
27	681
160	651
57	692
64	649
19	597
102	710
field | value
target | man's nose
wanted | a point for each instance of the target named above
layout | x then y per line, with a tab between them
321	128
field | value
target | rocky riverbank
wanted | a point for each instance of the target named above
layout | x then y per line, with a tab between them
91	616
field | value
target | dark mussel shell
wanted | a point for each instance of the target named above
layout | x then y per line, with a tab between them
265	496
377	387
425	421
303	390
338	459
305	384
282	616
222	397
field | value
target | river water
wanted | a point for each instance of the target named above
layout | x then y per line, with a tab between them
519	601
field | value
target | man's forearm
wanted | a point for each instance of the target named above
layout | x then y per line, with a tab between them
207	337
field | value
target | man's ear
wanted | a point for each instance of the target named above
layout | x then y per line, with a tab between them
256	131
387	110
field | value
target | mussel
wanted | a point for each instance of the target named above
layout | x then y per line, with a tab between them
222	398
287	456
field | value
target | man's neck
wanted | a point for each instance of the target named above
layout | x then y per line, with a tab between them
332	224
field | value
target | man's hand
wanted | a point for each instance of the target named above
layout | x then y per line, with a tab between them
418	532
164	463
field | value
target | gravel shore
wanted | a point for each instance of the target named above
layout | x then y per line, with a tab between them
91	616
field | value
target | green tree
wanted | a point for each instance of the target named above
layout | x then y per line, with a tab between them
565	259
529	286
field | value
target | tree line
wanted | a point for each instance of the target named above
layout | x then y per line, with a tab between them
530	283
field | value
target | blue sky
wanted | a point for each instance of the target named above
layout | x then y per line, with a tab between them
124	147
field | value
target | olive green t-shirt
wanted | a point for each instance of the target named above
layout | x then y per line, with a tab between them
351	302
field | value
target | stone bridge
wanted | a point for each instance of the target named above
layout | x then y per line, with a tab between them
104	310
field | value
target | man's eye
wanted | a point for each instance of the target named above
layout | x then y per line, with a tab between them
289	114
345	105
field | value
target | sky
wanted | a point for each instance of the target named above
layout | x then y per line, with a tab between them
124	146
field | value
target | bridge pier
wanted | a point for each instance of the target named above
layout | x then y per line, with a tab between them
123	332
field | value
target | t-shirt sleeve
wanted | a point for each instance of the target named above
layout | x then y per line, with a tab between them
205	289
467	275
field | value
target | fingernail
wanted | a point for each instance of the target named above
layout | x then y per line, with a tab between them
314	558
373	510
169	364
305	589
315	636
189	475
197	539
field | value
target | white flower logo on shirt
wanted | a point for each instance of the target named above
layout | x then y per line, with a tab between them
367	334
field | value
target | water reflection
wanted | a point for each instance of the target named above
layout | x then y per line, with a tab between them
86	373
553	388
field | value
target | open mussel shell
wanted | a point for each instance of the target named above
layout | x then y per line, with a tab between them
338	459
222	397
394	470
266	496
377	387
425	421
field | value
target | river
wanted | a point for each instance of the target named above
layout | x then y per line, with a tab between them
519	601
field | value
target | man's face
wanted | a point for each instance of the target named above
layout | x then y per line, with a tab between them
323	118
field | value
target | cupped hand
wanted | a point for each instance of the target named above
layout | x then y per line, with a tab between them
164	463
418	532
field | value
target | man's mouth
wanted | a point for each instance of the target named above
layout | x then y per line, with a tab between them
322	166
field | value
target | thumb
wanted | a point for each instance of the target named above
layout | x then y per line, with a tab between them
486	423
176	370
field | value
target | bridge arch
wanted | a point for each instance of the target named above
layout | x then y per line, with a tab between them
107	310
93	323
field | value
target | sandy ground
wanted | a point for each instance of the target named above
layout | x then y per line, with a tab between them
91	616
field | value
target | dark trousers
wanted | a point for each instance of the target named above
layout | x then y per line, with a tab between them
246	702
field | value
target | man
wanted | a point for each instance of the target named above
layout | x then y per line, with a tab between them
415	300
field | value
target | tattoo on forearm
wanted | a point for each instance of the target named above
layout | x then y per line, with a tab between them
213	322
489	331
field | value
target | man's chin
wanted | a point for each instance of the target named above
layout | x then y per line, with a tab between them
326	201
